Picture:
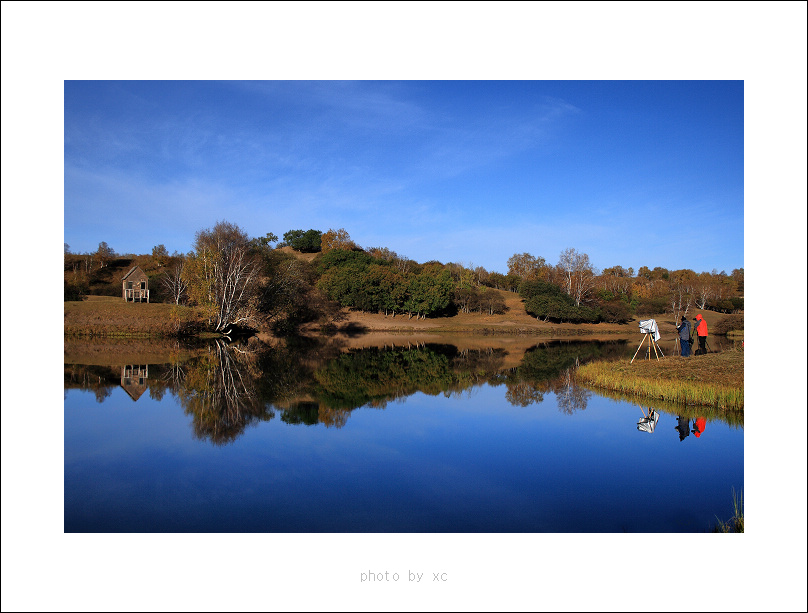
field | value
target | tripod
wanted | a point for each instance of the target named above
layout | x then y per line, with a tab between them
651	343
707	348
678	348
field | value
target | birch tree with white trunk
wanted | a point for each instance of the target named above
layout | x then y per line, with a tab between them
175	283
579	274
222	276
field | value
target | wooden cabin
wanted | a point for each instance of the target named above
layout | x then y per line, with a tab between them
136	285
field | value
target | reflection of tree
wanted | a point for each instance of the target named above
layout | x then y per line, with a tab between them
219	391
481	365
373	376
102	393
156	392
571	397
307	413
523	394
551	367
332	417
100	380
174	376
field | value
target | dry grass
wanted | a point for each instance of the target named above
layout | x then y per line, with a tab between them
108	316
710	380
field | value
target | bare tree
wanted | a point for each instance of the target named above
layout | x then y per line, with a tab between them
175	283
579	274
681	292
703	290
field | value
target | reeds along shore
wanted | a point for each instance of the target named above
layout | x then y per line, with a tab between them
713	380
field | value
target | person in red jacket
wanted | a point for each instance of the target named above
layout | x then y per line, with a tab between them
701	332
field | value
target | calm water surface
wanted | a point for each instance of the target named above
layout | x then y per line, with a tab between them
414	439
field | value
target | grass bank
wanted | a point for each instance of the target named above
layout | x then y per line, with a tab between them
712	380
112	317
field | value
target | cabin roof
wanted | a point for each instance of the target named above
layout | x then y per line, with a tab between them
134	268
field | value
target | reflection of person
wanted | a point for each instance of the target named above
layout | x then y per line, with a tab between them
684	336
683	426
698	426
701	332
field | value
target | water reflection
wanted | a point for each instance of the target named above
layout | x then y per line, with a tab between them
227	387
220	392
683	426
648	422
698	426
133	379
491	439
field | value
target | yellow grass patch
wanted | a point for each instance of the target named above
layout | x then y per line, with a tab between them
709	380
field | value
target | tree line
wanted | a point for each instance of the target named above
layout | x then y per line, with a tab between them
249	282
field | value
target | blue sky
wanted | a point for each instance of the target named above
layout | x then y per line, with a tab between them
632	173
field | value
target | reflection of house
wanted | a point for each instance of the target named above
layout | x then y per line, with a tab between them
133	379
136	285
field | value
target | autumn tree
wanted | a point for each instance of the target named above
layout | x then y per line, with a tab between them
491	301
160	254
682	284
527	267
104	253
402	263
737	276
222	276
336	239
617	280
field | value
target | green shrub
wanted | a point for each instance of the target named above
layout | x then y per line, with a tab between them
548	302
615	311
305	242
75	291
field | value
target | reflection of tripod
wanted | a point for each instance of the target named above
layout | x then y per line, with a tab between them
648	422
651	343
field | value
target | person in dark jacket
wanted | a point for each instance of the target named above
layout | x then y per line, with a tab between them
684	336
701	332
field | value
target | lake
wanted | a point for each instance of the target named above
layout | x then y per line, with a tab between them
372	435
